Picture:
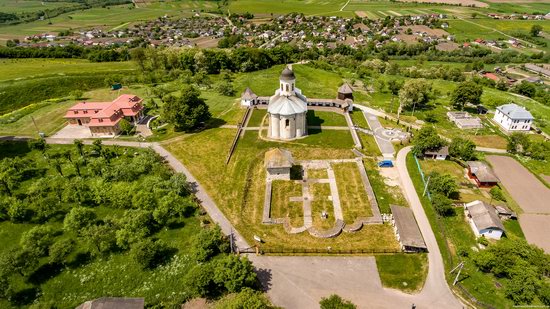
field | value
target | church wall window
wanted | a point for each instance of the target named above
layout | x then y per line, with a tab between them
287	122
286	87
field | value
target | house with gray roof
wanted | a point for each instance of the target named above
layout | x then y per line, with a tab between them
482	174
278	163
513	117
484	220
406	229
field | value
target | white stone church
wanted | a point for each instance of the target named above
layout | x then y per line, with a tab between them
287	108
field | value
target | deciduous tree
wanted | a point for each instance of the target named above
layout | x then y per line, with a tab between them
466	92
78	219
415	93
187	111
427	139
463	149
336	302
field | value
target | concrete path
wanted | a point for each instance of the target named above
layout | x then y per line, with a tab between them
351	128
386	146
142	127
491	150
435	288
338	214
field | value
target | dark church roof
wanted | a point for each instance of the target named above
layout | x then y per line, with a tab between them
287	74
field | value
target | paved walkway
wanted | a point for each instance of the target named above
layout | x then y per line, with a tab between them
386	146
142	127
436	291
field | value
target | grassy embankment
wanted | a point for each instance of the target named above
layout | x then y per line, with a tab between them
456	242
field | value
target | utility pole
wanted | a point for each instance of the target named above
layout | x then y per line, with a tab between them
34	122
459	267
426	186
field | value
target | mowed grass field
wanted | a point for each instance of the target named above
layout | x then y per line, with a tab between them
364	8
20	6
30	68
487	29
238	188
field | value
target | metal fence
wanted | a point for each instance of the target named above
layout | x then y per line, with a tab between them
326	251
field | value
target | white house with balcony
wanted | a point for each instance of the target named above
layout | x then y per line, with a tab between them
513	117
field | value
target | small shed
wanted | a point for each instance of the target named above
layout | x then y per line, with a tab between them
482	174
437	154
248	98
484	220
278	163
505	213
406	229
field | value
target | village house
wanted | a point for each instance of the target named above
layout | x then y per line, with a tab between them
482	174
513	117
278	163
464	120
437	154
484	220
406	229
103	117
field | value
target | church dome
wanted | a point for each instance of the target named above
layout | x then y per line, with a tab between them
286	105
287	74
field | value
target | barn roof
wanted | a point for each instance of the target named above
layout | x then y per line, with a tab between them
484	216
405	223
482	171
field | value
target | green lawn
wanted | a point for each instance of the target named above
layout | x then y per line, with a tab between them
321	118
257	117
353	197
406	272
320	203
358	118
31	68
238	188
314	83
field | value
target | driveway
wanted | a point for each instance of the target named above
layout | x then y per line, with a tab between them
385	145
532	196
73	131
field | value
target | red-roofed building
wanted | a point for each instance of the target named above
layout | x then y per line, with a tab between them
491	76
103	117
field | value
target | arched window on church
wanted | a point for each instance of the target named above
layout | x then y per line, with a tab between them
286	87
287	122
292	87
